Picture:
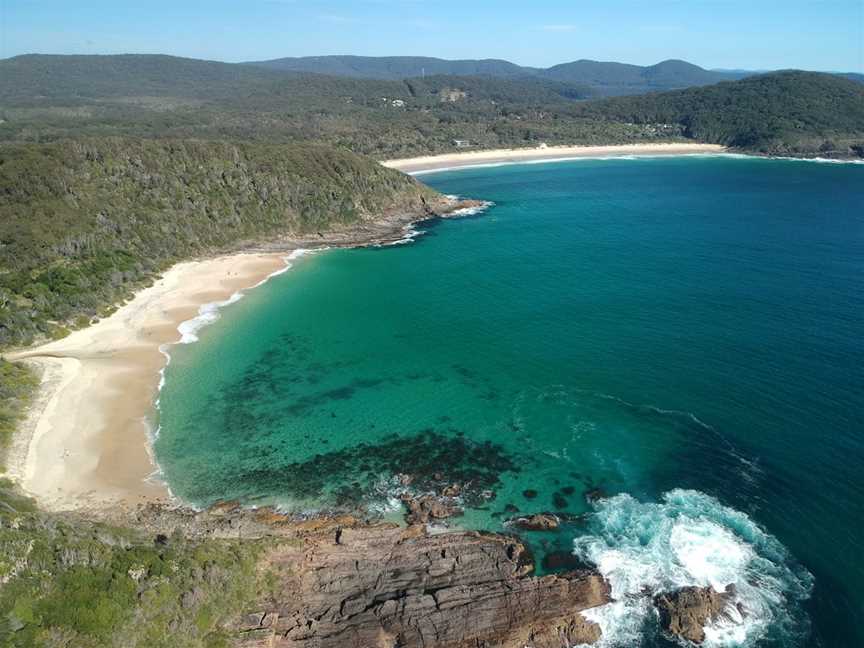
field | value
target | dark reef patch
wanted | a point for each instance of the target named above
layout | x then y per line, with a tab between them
350	477
559	500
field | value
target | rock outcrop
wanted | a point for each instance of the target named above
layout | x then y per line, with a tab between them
424	509
685	612
380	586
537	522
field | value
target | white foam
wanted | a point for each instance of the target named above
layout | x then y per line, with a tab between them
708	553
690	539
631	156
409	233
207	314
471	211
479	165
817	160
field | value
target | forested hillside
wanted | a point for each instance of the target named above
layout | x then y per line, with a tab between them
600	77
608	78
780	113
83	222
70	582
159	96
394	67
45	98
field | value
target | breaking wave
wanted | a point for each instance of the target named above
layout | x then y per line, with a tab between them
691	539
209	313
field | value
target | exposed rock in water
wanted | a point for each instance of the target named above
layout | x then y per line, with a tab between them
427	461
381	587
594	494
537	522
685	612
452	491
421	510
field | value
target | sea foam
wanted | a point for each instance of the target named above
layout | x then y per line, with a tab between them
209	312
630	157
691	539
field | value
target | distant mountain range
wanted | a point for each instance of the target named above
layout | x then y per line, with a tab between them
606	78
788	112
53	75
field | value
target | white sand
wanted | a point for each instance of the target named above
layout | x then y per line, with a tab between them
85	442
505	156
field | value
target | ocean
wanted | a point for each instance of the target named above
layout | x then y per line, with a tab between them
667	352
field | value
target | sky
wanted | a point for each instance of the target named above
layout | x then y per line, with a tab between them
733	34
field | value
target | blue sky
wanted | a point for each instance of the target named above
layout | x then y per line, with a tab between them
751	34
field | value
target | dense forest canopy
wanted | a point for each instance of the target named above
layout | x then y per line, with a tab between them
786	111
87	216
86	221
44	98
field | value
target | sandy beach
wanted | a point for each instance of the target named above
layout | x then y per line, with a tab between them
504	156
84	444
85	441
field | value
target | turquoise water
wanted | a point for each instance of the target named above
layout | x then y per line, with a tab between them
683	334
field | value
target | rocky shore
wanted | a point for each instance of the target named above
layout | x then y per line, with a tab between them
389	227
344	581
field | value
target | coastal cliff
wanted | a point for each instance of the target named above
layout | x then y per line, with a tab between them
376	586
160	575
167	576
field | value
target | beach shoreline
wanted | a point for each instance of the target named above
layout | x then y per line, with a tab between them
457	160
86	441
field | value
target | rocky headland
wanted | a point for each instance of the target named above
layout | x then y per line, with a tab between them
345	581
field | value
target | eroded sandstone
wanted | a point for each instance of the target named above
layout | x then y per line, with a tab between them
382	587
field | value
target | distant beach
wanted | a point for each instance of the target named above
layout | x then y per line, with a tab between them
510	156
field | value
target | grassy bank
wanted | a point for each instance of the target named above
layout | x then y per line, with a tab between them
18	384
68	582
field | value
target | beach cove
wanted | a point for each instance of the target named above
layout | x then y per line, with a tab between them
540	417
561	359
85	443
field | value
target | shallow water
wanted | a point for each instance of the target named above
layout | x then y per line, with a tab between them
685	332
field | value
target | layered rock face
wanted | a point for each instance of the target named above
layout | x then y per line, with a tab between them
377	587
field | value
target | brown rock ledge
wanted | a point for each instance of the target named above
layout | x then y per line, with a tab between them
380	587
342	583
